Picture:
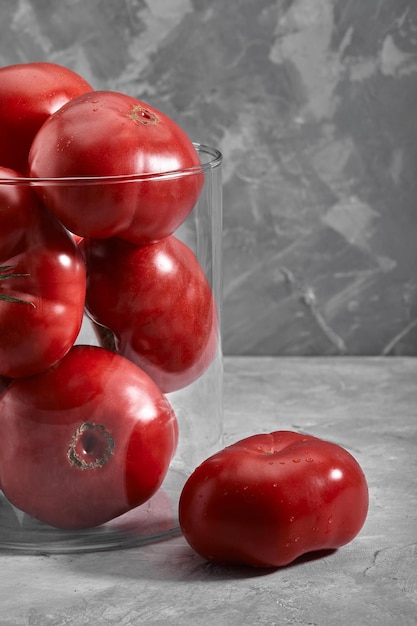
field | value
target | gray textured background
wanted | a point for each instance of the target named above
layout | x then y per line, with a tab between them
314	106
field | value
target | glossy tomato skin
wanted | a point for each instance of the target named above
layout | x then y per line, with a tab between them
157	302
107	133
271	498
85	441
29	94
47	276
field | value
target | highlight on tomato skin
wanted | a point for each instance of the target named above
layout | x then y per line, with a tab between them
270	498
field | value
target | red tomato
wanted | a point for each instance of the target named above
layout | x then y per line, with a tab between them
85	441
270	498
106	133
42	283
158	303
4	383
29	94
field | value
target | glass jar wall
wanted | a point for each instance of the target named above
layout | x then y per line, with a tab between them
111	360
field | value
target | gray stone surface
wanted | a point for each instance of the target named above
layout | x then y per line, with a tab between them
367	405
313	106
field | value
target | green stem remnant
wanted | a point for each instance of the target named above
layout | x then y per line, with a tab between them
5	273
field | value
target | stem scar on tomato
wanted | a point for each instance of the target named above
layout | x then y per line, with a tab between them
143	116
91	446
4	275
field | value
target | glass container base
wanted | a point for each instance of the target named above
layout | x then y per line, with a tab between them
155	520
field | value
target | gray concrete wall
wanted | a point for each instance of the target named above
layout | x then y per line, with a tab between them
313	104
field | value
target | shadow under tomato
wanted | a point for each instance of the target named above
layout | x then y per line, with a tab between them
219	571
172	560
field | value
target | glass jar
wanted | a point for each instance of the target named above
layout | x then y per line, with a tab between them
196	400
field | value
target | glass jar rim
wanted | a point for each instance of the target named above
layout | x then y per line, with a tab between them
213	160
